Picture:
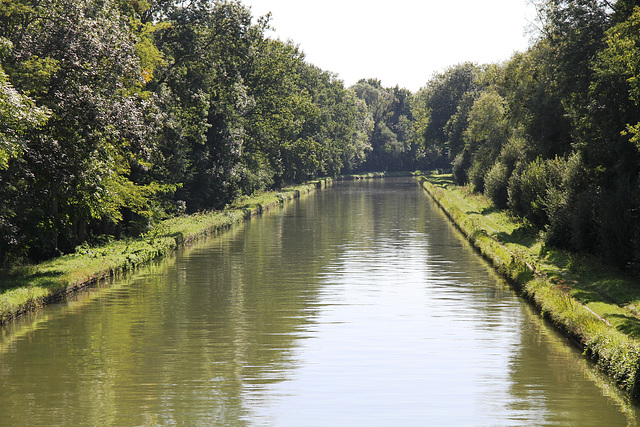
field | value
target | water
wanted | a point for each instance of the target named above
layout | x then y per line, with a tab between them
359	305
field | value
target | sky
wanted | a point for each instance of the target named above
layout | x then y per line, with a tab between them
400	42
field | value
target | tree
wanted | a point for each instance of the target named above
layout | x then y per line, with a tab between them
437	103
283	103
208	49
485	135
77	59
535	104
355	154
390	111
621	60
18	116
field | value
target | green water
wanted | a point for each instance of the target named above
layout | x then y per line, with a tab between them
358	305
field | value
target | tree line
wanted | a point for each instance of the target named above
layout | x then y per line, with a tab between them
117	113
552	133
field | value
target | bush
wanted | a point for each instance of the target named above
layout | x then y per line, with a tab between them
459	166
559	227
530	192
476	174
496	182
533	191
512	155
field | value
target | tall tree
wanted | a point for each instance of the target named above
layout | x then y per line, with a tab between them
437	103
390	111
77	59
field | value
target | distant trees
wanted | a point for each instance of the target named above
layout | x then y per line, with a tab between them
391	146
439	111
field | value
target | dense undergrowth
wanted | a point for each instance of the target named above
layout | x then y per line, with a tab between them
593	303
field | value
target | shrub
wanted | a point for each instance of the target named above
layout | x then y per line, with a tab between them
512	155
495	186
460	165
533	191
476	174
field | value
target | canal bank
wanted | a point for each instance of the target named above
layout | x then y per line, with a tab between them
596	306
359	305
28	288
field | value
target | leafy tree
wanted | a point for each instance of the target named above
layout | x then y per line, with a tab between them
485	135
391	114
18	116
282	106
208	49
436	104
621	60
355	152
535	104
77	59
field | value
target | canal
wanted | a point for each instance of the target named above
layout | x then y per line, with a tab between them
358	305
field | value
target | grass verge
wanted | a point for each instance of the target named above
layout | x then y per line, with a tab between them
598	307
28	288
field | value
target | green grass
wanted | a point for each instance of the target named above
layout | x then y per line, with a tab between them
597	306
27	288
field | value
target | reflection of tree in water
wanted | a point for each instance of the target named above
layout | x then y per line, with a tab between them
255	303
203	337
548	372
548	376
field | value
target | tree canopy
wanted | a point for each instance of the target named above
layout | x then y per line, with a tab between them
117	113
552	133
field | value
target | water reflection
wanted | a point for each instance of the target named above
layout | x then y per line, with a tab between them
356	306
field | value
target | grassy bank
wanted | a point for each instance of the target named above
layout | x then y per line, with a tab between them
27	288
596	306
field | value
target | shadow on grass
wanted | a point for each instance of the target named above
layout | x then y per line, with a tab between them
557	257
586	296
25	277
440	180
525	235
490	210
626	324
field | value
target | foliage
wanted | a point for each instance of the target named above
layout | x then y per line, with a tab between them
18	115
117	113
391	148
440	110
552	133
621	59
484	136
77	60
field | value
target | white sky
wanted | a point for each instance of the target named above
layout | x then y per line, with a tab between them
400	42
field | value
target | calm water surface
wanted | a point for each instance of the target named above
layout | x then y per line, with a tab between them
357	306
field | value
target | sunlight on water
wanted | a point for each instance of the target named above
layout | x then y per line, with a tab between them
357	306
